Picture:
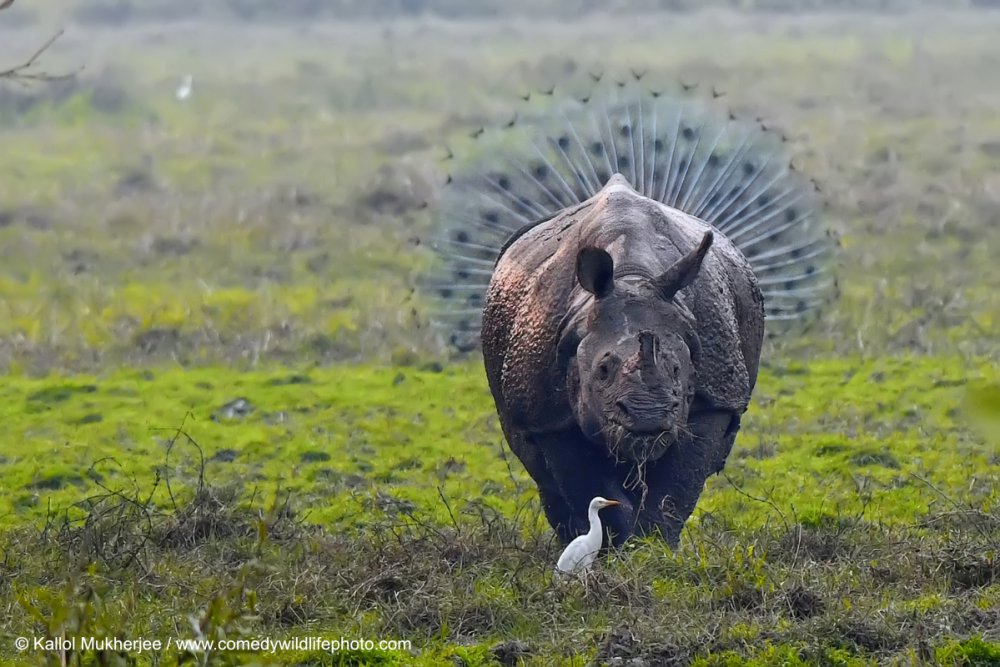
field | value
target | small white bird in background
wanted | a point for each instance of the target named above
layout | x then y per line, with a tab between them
581	552
186	87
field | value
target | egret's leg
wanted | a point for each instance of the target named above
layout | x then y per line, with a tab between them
676	480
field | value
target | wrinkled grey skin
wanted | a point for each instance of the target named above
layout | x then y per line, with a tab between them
621	340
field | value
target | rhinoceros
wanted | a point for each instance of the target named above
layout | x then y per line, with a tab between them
615	265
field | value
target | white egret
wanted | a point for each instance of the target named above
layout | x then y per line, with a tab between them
186	87
581	552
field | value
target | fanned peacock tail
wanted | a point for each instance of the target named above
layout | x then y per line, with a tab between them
674	146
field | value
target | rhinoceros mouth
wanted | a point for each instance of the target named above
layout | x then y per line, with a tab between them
638	446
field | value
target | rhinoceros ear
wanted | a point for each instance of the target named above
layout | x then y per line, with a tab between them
683	271
595	270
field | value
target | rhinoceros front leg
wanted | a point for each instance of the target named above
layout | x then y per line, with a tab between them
676	480
557	511
581	472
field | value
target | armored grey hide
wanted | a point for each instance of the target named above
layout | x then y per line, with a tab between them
570	369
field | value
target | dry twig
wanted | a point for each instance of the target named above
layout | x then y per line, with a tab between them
23	71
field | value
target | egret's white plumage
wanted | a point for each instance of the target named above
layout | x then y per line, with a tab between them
581	552
186	87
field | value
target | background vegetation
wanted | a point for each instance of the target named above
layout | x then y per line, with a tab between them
119	12
225	413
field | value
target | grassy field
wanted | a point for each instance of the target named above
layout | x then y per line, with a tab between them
225	414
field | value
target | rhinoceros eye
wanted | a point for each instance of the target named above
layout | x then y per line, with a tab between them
605	368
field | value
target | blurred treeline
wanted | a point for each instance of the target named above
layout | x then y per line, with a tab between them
126	11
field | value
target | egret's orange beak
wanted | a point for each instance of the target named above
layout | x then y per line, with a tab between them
612	503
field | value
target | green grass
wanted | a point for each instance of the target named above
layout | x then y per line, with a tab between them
159	261
243	225
832	439
858	490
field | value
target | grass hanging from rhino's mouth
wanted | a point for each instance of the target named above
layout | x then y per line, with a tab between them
628	446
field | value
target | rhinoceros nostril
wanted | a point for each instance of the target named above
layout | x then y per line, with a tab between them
622	408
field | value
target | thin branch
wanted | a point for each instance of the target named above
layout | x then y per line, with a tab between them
20	72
